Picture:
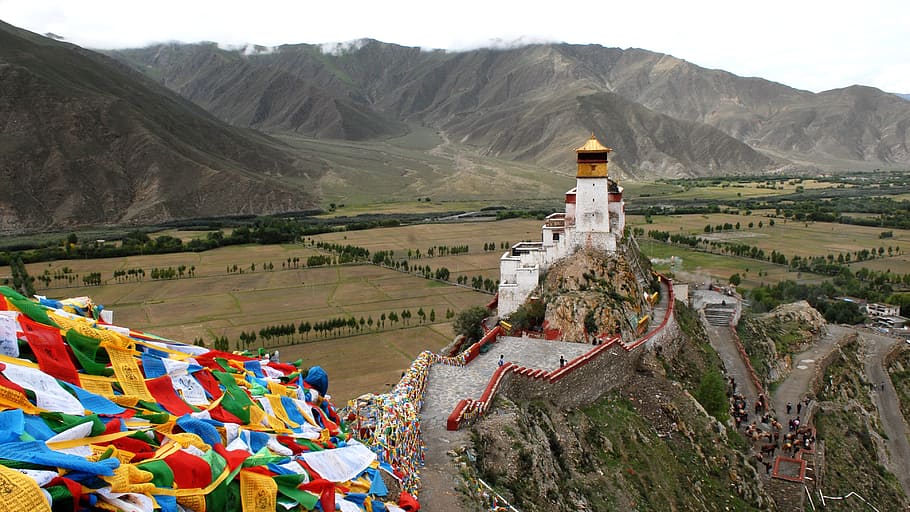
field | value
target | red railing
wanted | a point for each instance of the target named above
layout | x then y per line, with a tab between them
671	299
467	410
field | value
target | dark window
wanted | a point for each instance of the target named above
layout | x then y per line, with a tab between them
592	157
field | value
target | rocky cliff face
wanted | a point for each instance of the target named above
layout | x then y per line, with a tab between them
608	291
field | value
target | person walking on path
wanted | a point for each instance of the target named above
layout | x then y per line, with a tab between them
502	360
562	361
789	408
799	408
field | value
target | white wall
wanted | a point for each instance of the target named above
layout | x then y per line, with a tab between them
591	213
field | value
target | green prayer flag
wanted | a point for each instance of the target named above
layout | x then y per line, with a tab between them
162	475
287	485
237	402
86	348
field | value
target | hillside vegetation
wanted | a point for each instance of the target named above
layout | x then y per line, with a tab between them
849	429
647	446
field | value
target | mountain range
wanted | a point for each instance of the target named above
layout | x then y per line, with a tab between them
86	140
176	131
663	115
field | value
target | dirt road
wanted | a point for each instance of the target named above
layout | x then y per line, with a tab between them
877	347
796	386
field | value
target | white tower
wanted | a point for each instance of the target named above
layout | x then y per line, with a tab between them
592	216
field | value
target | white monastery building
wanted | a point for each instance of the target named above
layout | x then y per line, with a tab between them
595	217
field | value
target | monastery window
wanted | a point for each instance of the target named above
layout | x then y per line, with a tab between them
555	237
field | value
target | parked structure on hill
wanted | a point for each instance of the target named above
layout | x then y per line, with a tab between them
595	217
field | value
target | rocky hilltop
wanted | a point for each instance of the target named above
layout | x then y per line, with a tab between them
595	289
772	338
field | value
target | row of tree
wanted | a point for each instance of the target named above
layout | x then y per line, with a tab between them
133	273
726	226
288	333
829	264
64	274
19	279
479	282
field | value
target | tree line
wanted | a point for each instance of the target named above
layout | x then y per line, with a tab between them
284	334
830	264
263	231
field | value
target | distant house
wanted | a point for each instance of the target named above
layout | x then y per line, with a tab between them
891	322
879	310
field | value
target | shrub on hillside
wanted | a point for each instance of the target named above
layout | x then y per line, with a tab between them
468	322
712	395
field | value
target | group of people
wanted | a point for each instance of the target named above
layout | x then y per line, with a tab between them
766	433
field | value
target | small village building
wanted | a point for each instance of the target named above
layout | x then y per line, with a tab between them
594	217
891	322
879	310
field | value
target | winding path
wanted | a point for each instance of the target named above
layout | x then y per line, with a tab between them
446	385
877	347
795	387
721	339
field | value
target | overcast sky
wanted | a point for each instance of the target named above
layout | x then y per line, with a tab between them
813	45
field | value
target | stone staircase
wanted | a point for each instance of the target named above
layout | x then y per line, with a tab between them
719	314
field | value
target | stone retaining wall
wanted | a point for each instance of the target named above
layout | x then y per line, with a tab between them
581	381
821	366
745	357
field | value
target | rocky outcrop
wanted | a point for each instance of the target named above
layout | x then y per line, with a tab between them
596	289
770	339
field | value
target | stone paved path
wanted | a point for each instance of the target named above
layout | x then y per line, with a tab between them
446	385
795	387
449	384
721	340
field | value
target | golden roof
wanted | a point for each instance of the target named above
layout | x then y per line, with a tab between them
592	145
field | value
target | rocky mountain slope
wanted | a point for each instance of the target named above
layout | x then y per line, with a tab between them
647	446
850	429
663	115
86	140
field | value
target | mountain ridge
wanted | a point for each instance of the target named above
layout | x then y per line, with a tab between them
138	136
89	141
479	96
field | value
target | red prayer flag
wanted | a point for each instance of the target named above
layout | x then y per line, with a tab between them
163	390
52	355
